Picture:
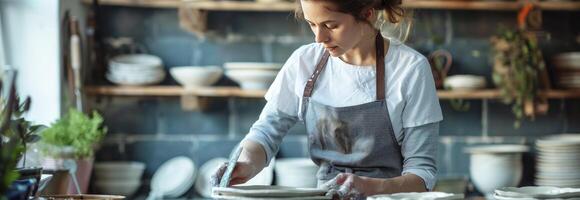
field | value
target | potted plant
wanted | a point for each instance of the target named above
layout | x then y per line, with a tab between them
15	133
73	137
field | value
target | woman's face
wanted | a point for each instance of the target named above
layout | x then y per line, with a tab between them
338	32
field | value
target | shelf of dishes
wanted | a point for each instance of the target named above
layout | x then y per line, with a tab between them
219	91
289	6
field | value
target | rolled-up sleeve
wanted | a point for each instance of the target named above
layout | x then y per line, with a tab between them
419	149
270	129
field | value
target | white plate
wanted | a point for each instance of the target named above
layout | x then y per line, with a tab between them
417	195
564	140
538	192
174	177
202	185
499	148
270	198
268	191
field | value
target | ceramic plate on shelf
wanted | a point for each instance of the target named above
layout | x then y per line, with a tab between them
268	191
174	177
417	195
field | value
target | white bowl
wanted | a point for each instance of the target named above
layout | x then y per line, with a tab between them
253	79
464	82
252	65
193	76
118	187
134	62
495	166
135	80
105	171
296	172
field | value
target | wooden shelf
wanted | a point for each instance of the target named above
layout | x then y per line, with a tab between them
240	6
173	91
208	5
139	3
237	92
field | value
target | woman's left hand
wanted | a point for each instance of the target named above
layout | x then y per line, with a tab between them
347	186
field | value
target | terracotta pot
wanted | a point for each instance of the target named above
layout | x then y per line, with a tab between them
83	174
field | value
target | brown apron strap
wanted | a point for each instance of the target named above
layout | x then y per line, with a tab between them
312	80
380	70
380	66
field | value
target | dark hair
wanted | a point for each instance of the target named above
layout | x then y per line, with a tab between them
392	8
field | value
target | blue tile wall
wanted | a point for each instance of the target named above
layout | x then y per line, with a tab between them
156	129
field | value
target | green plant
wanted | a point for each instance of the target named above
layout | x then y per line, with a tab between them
10	143
517	62
18	126
76	130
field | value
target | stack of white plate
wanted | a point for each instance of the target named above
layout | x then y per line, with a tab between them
567	67
252	75
536	192
558	161
135	69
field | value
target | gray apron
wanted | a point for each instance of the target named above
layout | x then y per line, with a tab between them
355	139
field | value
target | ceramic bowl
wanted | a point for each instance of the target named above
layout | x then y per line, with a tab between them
134	62
118	187
253	79
464	82
195	76
105	171
495	166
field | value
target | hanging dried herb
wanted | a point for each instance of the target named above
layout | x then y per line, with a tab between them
517	62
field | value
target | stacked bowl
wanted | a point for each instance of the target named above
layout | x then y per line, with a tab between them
567	69
118	178
558	160
252	75
135	69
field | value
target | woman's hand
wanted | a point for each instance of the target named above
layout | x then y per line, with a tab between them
242	173
348	186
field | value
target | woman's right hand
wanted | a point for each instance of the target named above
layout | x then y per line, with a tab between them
242	173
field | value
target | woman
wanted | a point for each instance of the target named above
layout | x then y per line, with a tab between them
370	132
